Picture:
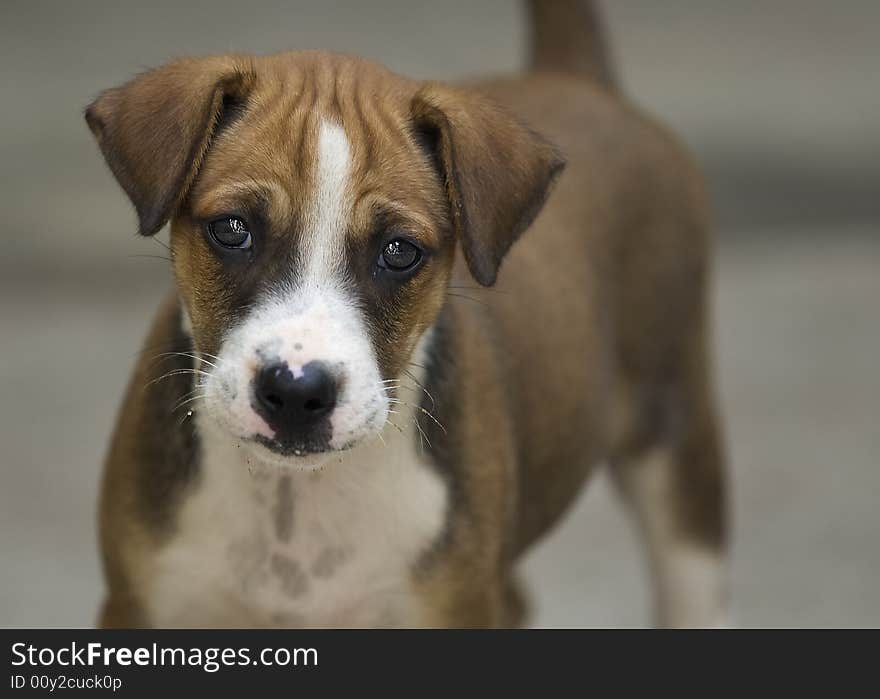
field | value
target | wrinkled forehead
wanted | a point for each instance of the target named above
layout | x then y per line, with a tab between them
321	144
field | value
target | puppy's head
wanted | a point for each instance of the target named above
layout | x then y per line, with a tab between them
316	202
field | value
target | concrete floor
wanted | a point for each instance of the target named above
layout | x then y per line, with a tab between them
798	280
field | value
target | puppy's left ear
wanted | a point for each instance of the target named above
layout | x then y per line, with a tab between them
496	172
155	130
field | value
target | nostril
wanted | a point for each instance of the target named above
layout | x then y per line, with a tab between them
314	404
273	400
272	388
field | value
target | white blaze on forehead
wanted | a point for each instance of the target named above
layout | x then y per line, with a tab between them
324	237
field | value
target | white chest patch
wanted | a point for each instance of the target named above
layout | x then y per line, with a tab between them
262	546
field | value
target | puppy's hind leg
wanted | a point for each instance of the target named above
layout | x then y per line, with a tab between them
672	477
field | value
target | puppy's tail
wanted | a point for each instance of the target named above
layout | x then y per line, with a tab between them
567	37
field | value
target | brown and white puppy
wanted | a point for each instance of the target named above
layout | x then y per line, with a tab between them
332	424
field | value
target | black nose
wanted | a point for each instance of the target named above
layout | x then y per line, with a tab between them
294	402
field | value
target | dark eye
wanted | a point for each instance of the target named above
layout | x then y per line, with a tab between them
231	232
400	255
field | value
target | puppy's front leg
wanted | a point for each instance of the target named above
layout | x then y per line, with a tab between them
117	613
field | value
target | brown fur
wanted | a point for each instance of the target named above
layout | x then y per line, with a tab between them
592	346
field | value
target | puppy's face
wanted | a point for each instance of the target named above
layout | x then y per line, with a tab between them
316	202
311	255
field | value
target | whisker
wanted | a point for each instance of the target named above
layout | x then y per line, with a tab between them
175	372
154	257
190	355
183	370
166	345
467	298
160	242
481	289
421	410
181	403
187	396
190	393
422	433
427	393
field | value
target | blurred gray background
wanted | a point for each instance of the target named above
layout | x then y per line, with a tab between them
779	101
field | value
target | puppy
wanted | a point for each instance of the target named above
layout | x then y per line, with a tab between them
336	422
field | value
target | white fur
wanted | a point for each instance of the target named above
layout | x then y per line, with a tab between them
323	247
693	584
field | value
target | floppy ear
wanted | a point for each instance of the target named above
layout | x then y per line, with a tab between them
154	131
497	172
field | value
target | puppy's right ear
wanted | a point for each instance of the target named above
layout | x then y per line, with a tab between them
154	131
